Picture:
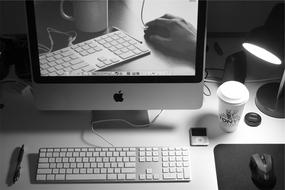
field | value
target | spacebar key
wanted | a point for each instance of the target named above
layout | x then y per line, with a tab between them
85	177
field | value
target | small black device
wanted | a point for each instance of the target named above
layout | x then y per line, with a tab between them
252	119
199	137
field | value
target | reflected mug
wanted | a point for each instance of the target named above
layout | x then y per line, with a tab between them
88	15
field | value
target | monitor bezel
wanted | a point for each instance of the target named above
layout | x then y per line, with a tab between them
199	58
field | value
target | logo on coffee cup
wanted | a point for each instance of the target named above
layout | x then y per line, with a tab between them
231	117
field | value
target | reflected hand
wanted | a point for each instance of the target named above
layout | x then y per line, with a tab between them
172	33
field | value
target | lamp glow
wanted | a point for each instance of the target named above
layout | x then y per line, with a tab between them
262	53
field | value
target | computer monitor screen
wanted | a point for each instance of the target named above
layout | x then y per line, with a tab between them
119	43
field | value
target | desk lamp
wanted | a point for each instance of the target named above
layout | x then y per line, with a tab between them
267	43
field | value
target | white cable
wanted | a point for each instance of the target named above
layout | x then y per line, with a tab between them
46	51
86	142
122	120
142	9
208	89
127	122
43	46
97	134
49	30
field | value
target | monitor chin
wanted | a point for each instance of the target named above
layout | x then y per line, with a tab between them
118	96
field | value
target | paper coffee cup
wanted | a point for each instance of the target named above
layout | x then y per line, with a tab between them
232	97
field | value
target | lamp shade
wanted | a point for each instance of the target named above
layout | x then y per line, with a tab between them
267	41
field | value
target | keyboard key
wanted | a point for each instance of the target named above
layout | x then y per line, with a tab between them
66	54
50	177
169	176
44	72
112	176
55	171
58	67
100	65
86	176
78	66
148	176
53	74
131	176
41	177
118	52
52	165
59	61
50	59
121	176
142	48
58	56
43	160
89	170
76	61
43	165
64	50
156	176
83	53
128	170
126	55
186	173
59	177
44	171
51	64
85	47
92	45
137	51
142	177
124	50
130	165
179	175
114	60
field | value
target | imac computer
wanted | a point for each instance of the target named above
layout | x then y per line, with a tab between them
117	54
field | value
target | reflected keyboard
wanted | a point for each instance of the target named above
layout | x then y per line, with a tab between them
113	164
93	55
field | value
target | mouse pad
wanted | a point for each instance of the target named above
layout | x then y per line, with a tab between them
232	165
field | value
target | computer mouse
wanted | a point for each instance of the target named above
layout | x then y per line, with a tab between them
156	30
262	171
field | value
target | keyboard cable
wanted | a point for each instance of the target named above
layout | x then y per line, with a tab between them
93	124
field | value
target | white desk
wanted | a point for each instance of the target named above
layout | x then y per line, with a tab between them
21	124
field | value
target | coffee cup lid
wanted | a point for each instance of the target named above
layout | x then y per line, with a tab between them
233	92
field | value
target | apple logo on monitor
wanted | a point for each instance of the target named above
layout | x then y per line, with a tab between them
118	97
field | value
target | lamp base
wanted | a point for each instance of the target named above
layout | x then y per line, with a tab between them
266	100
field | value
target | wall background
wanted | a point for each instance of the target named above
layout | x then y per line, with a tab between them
237	15
223	16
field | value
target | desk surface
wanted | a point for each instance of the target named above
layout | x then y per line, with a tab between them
21	123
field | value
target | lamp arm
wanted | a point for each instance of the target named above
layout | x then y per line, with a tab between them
281	86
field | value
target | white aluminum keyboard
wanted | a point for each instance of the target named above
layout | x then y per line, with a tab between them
113	164
93	55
